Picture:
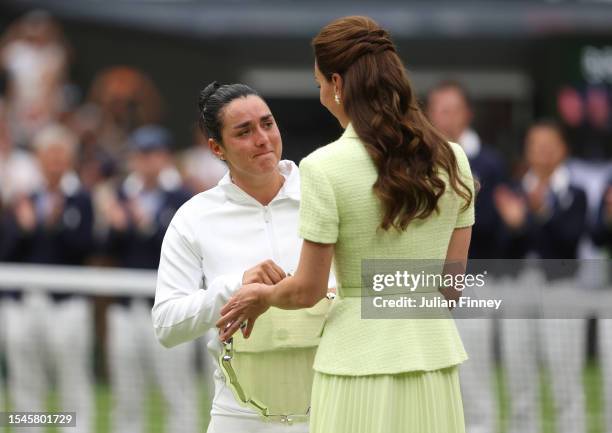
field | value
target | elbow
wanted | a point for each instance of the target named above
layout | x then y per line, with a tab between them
164	338
162	333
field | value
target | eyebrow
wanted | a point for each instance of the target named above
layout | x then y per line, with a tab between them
245	124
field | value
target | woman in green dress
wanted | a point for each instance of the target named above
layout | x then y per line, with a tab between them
390	187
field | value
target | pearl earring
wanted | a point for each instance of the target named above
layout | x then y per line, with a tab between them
337	99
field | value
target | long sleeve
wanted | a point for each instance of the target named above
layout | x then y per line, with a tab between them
185	305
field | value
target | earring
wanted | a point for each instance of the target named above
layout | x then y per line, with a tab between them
337	98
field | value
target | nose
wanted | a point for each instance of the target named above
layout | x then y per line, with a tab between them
261	137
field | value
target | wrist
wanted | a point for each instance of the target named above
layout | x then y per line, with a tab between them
266	294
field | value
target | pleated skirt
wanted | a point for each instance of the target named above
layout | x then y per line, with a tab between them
413	402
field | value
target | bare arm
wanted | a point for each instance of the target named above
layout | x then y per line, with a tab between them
182	310
456	258
303	290
309	285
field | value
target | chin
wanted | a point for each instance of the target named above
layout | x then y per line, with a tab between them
268	164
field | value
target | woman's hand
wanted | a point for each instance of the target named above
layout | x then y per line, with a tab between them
244	307
266	272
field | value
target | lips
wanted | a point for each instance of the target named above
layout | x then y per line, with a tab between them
262	154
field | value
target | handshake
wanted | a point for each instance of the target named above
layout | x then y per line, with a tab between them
266	272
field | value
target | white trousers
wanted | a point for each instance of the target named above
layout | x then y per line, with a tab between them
561	346
604	332
477	375
135	356
45	336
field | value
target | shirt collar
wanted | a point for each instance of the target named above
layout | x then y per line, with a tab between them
290	188
559	181
69	184
470	142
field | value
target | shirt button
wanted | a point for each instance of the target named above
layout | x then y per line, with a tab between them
282	334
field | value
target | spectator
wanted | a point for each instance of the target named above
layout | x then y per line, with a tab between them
545	217
449	109
602	236
127	99
201	169
19	172
138	217
50	329
35	56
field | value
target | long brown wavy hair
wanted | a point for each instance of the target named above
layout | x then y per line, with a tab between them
380	102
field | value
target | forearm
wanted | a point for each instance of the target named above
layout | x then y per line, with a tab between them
456	260
180	320
184	317
294	293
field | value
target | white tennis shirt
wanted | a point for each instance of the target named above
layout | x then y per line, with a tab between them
212	239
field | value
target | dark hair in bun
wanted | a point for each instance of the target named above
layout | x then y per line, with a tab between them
211	102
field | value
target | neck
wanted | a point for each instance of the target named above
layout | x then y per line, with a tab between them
457	138
344	120
261	188
545	174
150	182
53	184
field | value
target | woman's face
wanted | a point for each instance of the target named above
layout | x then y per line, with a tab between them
252	144
545	149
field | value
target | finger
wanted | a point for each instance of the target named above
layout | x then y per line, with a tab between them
274	271
226	318
246	332
278	271
231	329
228	306
266	278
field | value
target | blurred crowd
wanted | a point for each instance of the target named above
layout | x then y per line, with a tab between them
88	178
92	177
40	108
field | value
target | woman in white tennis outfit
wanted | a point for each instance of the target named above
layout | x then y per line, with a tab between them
242	230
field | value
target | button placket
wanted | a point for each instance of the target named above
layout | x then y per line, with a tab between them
266	213
267	216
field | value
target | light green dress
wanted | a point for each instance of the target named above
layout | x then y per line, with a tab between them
391	376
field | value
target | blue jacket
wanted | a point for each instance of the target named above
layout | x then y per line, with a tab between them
554	236
134	248
488	170
68	242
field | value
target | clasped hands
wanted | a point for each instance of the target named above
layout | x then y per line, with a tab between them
250	301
